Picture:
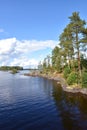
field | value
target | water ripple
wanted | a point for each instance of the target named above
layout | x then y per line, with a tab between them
28	103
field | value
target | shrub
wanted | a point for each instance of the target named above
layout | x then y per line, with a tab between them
72	78
84	79
66	72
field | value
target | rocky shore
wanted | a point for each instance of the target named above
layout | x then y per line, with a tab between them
60	80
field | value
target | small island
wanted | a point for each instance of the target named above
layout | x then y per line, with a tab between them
12	69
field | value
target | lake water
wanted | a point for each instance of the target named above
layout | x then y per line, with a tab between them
33	103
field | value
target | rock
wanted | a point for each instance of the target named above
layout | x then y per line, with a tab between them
84	90
62	82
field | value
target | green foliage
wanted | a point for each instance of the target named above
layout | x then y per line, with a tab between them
66	72
56	59
6	68
84	79
75	64
14	71
72	78
84	63
66	57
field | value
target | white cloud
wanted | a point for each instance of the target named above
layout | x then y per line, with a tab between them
15	52
34	45
25	62
7	46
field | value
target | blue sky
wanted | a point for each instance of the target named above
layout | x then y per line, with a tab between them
38	21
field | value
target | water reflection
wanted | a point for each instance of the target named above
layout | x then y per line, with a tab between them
39	103
72	108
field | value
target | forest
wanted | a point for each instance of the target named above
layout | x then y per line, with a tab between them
69	57
13	69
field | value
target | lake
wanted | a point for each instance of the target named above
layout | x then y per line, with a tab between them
34	103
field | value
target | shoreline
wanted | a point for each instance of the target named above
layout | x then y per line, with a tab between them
60	80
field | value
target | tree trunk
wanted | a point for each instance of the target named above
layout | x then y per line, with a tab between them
78	52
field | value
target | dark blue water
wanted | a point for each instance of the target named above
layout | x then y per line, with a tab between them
33	103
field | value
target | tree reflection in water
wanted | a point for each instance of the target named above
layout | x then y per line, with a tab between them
72	108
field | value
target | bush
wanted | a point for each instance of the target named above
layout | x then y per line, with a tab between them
66	72
72	78
84	79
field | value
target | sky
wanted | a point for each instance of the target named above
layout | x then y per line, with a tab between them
30	29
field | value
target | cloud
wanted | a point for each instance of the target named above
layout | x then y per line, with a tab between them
34	45
7	46
16	52
25	62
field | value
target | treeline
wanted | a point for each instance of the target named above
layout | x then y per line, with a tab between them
70	56
7	68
